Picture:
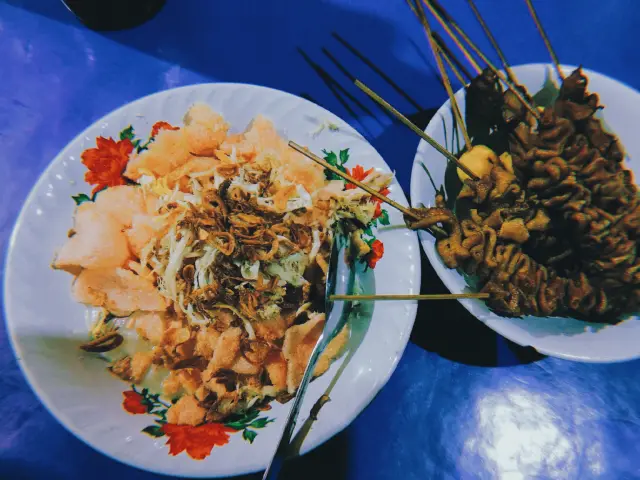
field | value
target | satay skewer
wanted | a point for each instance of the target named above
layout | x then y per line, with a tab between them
439	13
494	42
448	53
377	98
350	179
455	67
450	62
444	296
445	77
345	176
545	38
472	61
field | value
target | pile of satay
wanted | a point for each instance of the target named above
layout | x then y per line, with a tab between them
551	216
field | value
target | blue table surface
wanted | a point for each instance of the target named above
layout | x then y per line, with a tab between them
463	402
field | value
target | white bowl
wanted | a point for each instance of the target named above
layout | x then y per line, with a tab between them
46	325
560	337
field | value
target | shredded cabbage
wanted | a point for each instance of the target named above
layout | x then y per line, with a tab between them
249	270
193	317
194	199
146	180
177	251
203	275
159	187
290	269
145	253
363	212
315	247
248	187
269	312
301	199
206	173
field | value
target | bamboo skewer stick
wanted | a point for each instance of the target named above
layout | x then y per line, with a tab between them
472	61
377	70
406	211
493	41
545	39
452	66
453	63
444	50
439	12
445	78
350	179
446	296
374	96
413	7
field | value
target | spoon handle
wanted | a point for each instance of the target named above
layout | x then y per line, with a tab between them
273	470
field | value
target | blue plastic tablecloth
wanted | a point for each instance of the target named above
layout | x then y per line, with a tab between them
463	403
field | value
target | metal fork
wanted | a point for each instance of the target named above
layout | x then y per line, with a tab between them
338	281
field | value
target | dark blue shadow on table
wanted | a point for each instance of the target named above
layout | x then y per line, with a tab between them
315	465
449	330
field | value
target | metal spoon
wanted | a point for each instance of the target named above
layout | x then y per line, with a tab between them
338	281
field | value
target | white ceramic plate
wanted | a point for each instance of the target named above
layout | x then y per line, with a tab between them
561	337
46	324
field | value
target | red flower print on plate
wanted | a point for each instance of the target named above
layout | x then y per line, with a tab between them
197	441
378	202
106	162
162	126
376	253
359	173
133	402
